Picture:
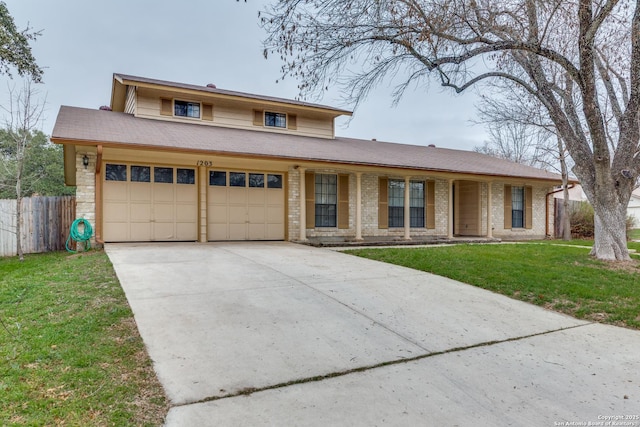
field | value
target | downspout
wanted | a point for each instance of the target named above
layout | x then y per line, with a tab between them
546	218
98	177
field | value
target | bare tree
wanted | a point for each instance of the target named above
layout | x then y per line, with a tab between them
521	131
22	118
579	58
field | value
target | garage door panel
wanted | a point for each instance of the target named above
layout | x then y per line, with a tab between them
140	192
140	232
275	197
238	196
163	193
118	231
257	214
218	214
275	231
164	231
256	232
140	212
116	191
116	212
218	232
256	196
238	231
275	214
186	213
164	212
237	214
186	194
186	231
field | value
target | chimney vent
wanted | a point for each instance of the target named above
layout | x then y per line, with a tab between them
212	86
432	145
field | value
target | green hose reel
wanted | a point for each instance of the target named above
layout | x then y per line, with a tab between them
83	236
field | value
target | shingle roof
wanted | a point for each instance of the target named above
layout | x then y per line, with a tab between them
113	128
207	89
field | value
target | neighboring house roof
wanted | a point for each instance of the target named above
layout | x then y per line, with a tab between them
163	84
119	129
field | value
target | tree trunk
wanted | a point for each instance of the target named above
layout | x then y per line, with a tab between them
610	241
19	220
565	219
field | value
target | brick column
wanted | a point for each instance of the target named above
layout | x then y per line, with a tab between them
450	213
359	206
303	206
407	208
489	209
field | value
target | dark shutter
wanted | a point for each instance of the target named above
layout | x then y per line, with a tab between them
292	121
383	203
528	203
343	201
310	198
507	207
258	118
431	204
166	107
207	112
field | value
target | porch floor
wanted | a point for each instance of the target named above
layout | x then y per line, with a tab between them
394	241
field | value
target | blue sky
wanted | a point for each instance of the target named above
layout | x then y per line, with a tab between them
209	41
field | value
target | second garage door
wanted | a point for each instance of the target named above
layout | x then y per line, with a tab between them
245	205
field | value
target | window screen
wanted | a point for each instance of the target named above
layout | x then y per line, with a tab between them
326	200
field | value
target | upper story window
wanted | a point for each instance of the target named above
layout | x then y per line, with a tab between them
278	120
186	109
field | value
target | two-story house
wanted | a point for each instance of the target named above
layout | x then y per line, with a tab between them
179	162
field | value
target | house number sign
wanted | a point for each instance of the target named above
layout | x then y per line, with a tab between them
207	163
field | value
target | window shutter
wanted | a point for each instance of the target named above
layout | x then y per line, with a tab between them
207	112
528	210
166	107
258	118
383	203
431	204
507	207
310	195
343	201
292	121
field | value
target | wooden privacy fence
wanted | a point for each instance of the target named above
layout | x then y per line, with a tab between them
45	224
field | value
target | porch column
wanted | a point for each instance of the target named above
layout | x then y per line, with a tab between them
358	205
489	209
450	214
407	208
303	206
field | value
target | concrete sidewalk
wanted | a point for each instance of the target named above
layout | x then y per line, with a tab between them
324	338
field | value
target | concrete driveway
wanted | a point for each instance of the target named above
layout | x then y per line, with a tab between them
283	334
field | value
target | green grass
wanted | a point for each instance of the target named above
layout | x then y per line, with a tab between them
561	278
634	234
70	352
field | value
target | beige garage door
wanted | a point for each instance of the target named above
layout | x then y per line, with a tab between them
144	203
245	206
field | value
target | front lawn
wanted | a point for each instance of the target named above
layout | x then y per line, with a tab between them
561	278
70	352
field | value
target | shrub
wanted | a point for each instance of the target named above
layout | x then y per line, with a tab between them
581	215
